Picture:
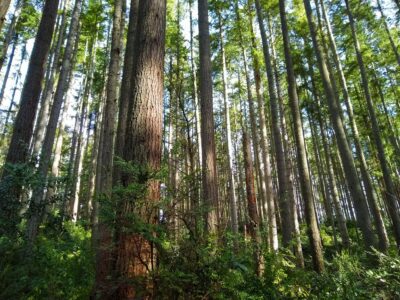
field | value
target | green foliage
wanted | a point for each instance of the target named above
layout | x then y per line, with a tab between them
58	266
348	278
196	268
28	21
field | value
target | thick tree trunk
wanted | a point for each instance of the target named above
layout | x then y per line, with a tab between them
135	253
209	168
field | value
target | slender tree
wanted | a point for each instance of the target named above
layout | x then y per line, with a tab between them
126	84
102	235
390	192
352	179
36	205
23	126
304	173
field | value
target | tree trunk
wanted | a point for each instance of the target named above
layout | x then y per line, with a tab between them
195	88
23	126
135	253
232	192
390	192
251	201
12	101
269	193
10	33
45	155
4	5
48	92
366	178
55	167
209	168
304	173
126	84
104	182
392	44
7	74
352	179
284	201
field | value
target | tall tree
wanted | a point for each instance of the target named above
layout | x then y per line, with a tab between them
126	85
346	155
36	205
390	192
102	233
23	126
367	181
232	192
209	168
286	199
135	253
304	173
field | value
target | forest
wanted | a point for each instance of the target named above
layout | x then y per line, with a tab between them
199	149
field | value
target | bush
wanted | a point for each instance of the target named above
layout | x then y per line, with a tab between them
58	266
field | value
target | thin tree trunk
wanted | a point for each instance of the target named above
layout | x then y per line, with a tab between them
45	155
7	74
284	194
304	173
55	167
195	88
126	84
390	192
392	44
366	178
352	179
80	150
23	126
232	192
269	193
48	92
12	101
251	201
103	237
